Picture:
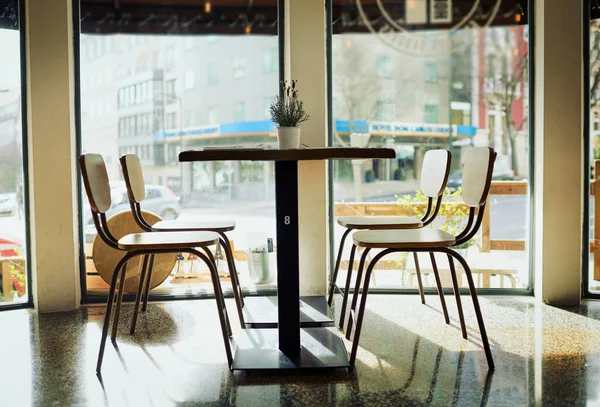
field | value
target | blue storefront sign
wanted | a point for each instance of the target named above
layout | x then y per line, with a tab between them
342	126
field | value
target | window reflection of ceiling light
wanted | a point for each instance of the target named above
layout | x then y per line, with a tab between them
207	6
248	29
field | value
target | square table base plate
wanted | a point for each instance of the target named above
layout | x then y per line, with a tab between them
322	348
261	312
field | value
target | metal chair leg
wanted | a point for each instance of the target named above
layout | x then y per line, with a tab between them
148	280
138	296
484	338
337	267
456	289
361	266
347	288
419	277
440	289
221	310
107	312
219	296
237	295
237	276
113	336
363	303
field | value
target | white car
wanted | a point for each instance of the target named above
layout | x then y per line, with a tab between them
8	204
160	200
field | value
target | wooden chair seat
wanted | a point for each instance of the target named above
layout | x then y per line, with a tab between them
179	225
380	222
403	239
167	240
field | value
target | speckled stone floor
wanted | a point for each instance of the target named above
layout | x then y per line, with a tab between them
544	356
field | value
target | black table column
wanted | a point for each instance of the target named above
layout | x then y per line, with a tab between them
288	274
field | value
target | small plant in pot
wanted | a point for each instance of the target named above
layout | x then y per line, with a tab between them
287	111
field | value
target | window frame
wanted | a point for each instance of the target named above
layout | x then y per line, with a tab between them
236	104
93	298
25	170
238	67
411	291
431	72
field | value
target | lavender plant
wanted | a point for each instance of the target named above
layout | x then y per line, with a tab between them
288	110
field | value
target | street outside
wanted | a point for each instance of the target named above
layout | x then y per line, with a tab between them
508	219
255	222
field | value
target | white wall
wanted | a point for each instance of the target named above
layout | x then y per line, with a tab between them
52	163
558	153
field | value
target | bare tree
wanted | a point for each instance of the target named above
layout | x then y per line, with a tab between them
366	80
594	63
503	87
594	81
356	83
11	161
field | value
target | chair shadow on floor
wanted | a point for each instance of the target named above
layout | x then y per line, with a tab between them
454	323
404	359
410	367
155	326
400	368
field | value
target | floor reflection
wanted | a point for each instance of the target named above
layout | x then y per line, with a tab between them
544	355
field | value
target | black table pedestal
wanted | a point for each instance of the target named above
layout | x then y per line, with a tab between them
288	274
293	344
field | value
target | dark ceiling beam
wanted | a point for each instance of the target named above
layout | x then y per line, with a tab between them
101	18
248	16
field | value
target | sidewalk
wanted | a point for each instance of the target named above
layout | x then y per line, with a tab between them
384	191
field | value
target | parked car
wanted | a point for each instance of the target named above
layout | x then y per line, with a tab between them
160	200
8	204
501	172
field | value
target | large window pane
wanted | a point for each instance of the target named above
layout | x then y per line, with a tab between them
183	83
594	131
13	270
414	79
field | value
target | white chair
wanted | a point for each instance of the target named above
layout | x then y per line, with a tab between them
95	180
136	191
434	176
477	175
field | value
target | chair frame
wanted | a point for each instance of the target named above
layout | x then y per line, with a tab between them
138	216
471	228
426	219
119	274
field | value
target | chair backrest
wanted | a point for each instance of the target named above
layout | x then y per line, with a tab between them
95	180
477	175
134	177
434	172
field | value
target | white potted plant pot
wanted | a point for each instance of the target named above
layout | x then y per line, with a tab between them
288	137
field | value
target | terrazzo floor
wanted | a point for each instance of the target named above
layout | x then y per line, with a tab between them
408	357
